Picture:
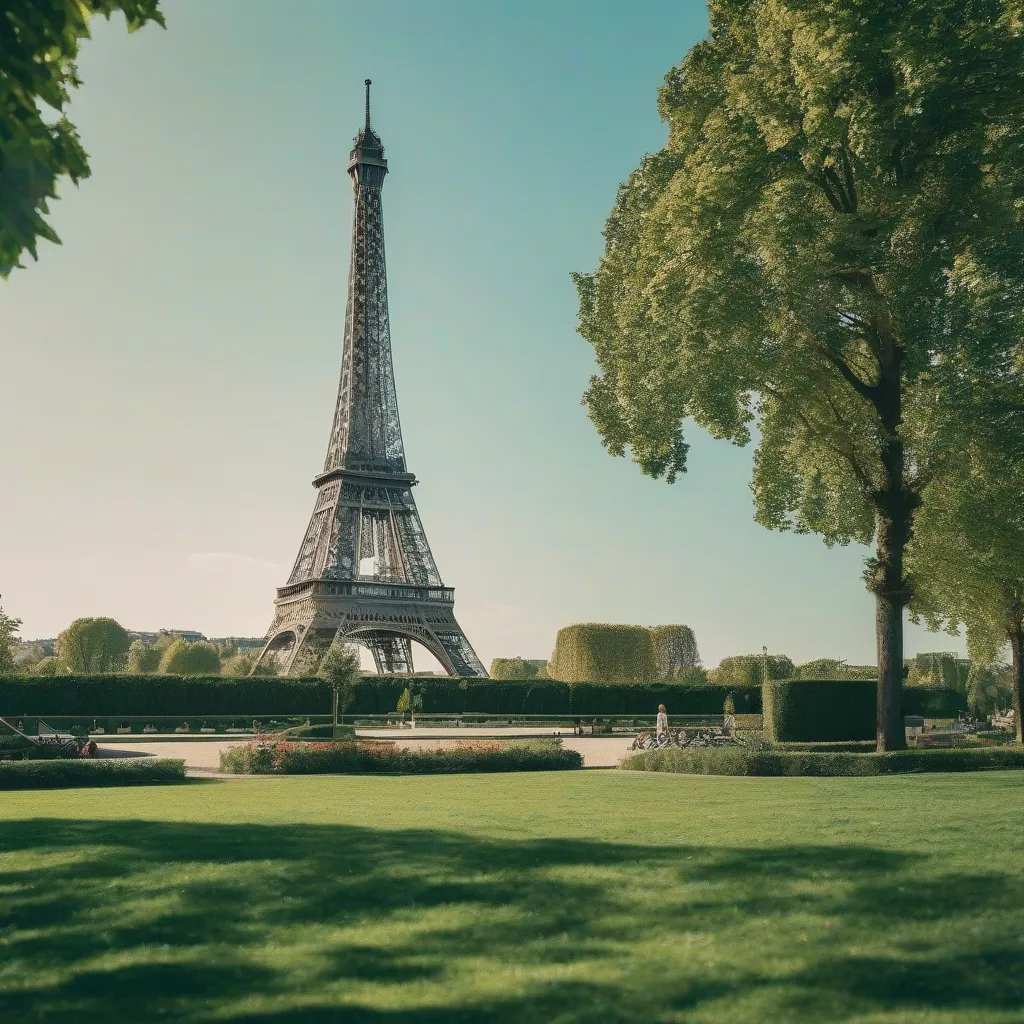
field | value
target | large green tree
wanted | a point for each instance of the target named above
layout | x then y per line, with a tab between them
9	629
93	645
829	247
39	42
967	563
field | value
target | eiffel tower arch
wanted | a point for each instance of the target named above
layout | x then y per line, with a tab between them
365	571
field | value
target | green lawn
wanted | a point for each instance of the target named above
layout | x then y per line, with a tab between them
562	897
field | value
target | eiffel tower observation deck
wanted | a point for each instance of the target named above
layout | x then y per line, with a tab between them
364	572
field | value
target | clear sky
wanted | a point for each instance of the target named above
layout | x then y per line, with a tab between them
169	373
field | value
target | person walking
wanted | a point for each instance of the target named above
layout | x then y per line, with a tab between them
661	728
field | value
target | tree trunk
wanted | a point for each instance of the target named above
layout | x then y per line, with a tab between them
1017	650
889	732
891	597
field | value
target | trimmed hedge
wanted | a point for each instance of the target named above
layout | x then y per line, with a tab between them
803	710
737	761
266	696
126	771
798	710
373	757
603	652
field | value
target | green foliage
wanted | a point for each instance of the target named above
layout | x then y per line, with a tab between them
190	659
802	710
38	47
93	645
340	669
675	650
598	653
48	667
831	668
409	701
142	658
269	696
237	665
748	669
988	688
56	774
516	668
829	247
939	670
369	756
9	628
967	559
820	709
737	761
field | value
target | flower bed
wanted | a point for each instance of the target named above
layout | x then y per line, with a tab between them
127	771
737	761
265	757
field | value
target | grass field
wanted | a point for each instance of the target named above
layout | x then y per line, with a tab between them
561	897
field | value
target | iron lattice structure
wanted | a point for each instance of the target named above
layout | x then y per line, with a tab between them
364	571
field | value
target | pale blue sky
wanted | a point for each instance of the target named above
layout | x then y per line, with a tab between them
169	373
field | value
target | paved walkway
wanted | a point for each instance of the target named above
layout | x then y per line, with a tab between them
597	751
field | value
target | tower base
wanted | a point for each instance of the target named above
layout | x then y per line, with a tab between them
384	617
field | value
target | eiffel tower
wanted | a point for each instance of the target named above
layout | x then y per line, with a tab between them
364	571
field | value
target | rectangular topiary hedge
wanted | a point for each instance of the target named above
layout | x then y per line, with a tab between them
801	710
737	761
264	696
126	771
819	709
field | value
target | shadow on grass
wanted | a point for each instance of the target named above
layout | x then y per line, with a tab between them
136	920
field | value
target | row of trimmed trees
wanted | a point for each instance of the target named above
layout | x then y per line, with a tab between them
829	249
101	644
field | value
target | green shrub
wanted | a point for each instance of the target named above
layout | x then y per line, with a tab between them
737	761
933	703
599	652
371	757
748	669
675	649
120	771
190	659
515	668
819	709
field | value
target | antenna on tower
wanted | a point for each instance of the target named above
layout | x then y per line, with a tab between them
368	105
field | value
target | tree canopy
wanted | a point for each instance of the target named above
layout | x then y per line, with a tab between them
9	629
93	645
182	658
829	248
39	41
967	562
341	669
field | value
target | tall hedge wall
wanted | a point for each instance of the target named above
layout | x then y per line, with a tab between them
842	709
267	695
599	652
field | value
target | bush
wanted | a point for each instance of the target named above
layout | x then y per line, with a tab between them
516	668
748	669
597	652
819	709
121	771
675	649
933	703
190	659
737	761
371	757
272	696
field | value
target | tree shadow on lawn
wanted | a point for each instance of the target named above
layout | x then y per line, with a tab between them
133	920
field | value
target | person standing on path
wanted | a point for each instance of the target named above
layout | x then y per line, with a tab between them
661	728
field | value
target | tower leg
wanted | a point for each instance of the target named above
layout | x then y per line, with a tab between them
392	654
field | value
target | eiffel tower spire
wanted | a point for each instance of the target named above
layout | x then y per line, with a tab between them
365	571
